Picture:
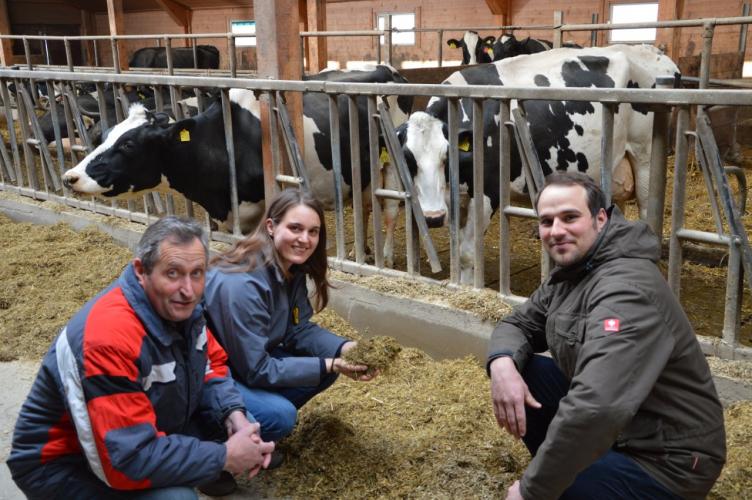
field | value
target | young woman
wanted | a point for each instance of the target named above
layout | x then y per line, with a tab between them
258	307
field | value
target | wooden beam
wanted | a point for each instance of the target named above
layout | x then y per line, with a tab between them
501	12
117	27
6	48
278	55
314	13
669	39
88	28
179	13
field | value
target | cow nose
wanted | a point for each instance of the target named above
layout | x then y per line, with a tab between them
435	219
69	180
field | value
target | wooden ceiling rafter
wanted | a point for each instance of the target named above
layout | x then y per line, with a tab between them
178	12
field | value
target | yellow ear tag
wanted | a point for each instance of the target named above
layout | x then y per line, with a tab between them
452	46
384	156
295	315
490	53
464	146
185	136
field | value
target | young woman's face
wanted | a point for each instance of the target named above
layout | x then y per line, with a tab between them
296	236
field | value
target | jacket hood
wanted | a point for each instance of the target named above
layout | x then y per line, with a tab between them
619	238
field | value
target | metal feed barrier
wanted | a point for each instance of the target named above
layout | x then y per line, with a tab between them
13	153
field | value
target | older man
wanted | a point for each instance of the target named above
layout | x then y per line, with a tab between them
134	394
626	407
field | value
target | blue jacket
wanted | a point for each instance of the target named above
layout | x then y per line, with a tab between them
117	390
252	313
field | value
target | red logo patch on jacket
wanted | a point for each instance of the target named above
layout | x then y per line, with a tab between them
611	325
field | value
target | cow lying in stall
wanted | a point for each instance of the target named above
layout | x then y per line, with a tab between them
566	134
144	152
477	50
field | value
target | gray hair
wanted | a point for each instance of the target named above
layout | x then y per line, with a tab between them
178	230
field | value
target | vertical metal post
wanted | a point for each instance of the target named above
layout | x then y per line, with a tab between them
68	54
11	129
440	34
478	196
115	55
339	215
658	156
233	55
32	83
734	291
558	21
607	149
276	164
376	216
23	122
96	53
678	200
505	168
453	120
707	47
743	30
357	188
227	121
388	38
104	119
56	129
593	33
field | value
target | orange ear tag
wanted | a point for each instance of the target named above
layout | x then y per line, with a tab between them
185	136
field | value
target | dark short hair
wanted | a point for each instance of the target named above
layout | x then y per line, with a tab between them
595	197
178	230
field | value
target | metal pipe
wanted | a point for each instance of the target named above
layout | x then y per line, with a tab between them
337	170
658	158
357	188
558	21
479	226
734	292
678	198
390	194
453	121
505	169
376	191
607	150
707	47
230	145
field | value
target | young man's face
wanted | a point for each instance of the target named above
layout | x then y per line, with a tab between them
176	284
565	225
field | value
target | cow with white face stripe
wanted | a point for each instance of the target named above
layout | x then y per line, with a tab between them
475	50
566	134
145	152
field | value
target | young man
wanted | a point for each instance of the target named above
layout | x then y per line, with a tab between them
626	406
134	390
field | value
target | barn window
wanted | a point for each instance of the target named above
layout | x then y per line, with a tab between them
634	13
244	28
404	21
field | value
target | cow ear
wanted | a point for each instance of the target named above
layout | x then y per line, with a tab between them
489	40
453	43
159	119
181	131
402	133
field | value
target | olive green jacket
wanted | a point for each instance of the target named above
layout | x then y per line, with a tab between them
639	382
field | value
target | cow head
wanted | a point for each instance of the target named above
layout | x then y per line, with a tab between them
127	161
424	143
507	46
475	49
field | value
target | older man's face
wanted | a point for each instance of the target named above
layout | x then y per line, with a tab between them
176	284
565	224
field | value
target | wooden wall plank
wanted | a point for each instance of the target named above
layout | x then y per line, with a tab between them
6	51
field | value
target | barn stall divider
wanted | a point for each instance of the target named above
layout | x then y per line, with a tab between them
661	99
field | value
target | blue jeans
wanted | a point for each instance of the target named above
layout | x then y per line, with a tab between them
276	408
614	475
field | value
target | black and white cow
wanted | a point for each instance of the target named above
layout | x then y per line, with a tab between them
207	57
144	152
566	134
475	50
508	46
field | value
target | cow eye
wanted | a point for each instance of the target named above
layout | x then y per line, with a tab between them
127	147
